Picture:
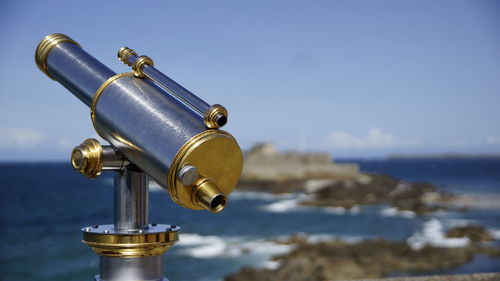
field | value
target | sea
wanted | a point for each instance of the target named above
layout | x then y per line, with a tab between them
44	206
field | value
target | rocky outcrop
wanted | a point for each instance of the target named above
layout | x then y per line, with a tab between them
475	233
339	260
331	184
380	189
264	163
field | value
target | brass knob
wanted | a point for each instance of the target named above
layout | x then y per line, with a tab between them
87	158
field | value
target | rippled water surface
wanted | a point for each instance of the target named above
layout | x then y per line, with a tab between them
45	205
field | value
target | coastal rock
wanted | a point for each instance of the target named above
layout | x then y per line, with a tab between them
333	185
263	162
475	233
339	260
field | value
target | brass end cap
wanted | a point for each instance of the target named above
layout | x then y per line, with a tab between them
154	240
45	46
124	53
139	64
219	162
87	158
208	195
215	117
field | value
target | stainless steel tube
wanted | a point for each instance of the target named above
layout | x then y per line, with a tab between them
131	269
76	70
173	88
138	119
131	200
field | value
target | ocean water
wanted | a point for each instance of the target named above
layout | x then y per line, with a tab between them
44	206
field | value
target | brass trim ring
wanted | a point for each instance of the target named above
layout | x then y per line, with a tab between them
151	241
45	46
212	114
139	64
99	92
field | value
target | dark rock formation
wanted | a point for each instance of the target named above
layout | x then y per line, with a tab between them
332	184
339	260
380	189
475	233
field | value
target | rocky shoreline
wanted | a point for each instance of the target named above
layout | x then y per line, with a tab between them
374	258
368	189
330	184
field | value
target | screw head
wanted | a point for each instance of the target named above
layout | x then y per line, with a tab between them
188	175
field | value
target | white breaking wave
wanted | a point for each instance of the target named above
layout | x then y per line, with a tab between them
495	233
317	238
287	204
432	234
198	246
257	195
335	210
395	212
356	209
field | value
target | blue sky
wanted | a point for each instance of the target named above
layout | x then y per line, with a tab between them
353	78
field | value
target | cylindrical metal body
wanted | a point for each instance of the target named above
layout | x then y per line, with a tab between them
131	200
131	269
78	71
136	117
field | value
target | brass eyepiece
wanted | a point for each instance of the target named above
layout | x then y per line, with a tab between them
215	117
209	196
87	158
45	46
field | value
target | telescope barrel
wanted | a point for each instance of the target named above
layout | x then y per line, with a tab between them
63	60
155	130
129	57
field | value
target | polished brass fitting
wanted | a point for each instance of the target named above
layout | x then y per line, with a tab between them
124	53
209	196
87	158
45	46
215	117
215	182
154	240
139	64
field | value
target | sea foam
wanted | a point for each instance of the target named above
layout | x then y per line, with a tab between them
199	246
287	205
432	234
257	195
395	212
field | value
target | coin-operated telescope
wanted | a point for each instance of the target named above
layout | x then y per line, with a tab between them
156	129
